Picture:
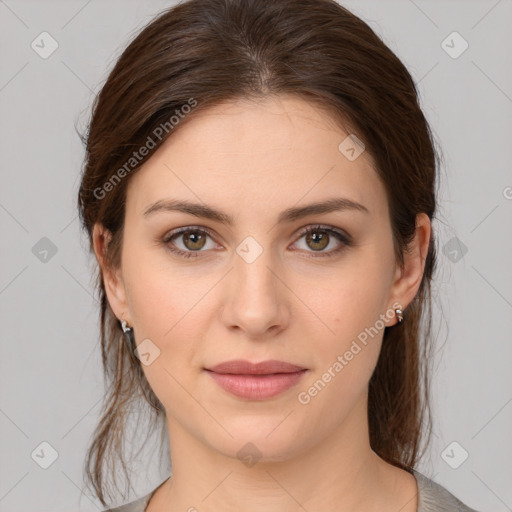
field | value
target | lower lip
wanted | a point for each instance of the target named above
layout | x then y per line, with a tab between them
257	387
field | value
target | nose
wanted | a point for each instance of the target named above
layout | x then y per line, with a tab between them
255	298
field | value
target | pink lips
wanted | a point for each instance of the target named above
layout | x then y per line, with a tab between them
256	381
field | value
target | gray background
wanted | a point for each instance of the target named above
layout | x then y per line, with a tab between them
51	383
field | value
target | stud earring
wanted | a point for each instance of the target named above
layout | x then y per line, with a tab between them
399	315
125	327
128	332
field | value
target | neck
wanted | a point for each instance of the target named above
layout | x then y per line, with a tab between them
341	473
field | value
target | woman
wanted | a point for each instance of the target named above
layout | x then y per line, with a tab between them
258	191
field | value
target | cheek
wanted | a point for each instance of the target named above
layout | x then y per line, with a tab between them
166	304
346	358
350	306
161	295
352	299
163	306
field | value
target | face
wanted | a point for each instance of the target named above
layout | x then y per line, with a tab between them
202	290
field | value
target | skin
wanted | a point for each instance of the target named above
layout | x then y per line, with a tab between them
252	160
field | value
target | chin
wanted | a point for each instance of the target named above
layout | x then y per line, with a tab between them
251	445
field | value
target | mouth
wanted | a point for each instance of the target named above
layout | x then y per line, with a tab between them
256	381
243	367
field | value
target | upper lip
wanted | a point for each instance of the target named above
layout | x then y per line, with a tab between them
242	367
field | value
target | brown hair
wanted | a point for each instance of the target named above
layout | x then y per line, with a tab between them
212	51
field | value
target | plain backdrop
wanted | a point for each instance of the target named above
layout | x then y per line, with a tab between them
50	372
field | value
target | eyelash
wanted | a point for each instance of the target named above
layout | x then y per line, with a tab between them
342	237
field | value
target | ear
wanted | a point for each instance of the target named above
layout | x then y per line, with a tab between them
114	285
408	279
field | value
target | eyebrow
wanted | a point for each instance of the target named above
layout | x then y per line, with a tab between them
288	215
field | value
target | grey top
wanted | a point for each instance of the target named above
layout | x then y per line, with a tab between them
432	497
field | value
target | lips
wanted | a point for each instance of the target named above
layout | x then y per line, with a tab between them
242	367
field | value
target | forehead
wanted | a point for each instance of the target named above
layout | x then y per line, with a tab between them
276	151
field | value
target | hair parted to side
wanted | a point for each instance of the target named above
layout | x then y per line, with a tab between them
213	51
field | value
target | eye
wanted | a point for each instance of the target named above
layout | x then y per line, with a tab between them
193	240
318	238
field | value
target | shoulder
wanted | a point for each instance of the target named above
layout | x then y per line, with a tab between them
433	497
139	505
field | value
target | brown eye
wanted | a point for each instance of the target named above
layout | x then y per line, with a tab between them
188	242
317	240
194	240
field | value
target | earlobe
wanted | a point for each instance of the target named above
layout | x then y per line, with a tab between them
112	278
